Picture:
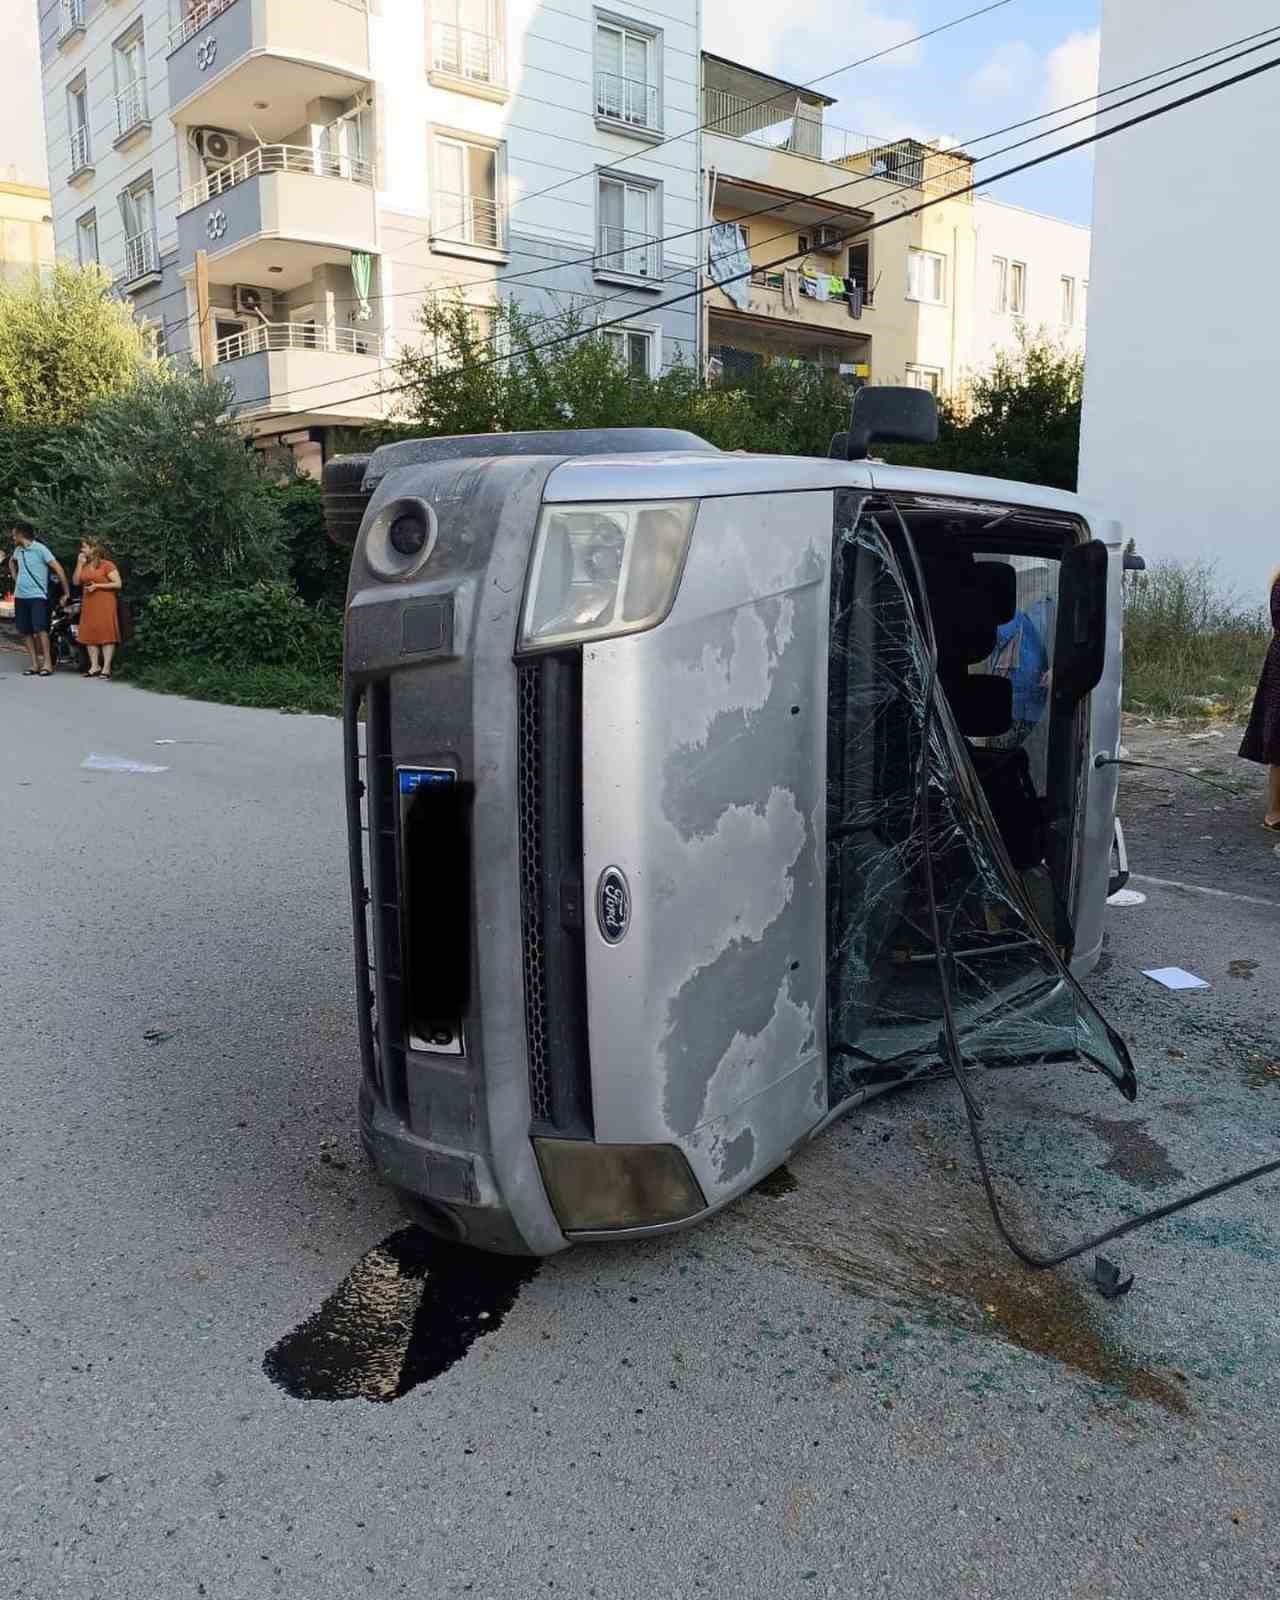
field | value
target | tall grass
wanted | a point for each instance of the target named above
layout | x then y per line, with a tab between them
1192	649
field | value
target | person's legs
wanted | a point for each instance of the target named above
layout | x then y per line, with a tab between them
95	665
42	647
29	639
1273	796
26	632
108	656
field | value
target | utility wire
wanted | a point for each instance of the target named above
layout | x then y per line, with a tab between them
703	127
1268	35
873	227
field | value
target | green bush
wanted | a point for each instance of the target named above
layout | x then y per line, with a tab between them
1189	648
317	567
263	626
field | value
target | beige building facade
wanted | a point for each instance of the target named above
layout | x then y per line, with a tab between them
910	294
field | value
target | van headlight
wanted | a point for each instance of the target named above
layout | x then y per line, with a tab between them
601	571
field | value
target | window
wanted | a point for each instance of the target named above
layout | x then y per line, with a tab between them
131	82
155	342
1017	289
634	349
926	276
627	74
999	285
78	124
859	269
1067	312
138	216
87	239
929	378
467	38
628	225
466	209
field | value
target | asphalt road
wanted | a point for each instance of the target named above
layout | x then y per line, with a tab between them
841	1387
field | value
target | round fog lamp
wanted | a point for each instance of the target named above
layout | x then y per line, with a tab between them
408	534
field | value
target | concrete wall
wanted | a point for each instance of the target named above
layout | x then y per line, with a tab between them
1184	343
26	232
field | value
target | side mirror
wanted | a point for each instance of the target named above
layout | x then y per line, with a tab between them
1133	562
890	415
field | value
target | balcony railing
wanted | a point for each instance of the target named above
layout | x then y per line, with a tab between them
131	108
266	158
80	156
298	336
141	257
468	219
198	12
635	255
461	53
70	18
629	100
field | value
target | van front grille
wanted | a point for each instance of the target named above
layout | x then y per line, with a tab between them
529	781
549	779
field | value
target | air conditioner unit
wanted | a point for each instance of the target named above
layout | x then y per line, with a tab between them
828	238
216	148
251	302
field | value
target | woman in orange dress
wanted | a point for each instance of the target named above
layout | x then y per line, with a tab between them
99	630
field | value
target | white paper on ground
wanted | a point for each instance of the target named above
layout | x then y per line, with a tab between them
1176	978
92	763
1127	897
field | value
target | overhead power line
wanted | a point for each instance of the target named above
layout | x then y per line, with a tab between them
1266	35
872	227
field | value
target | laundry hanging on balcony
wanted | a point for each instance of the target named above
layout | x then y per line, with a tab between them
362	279
728	258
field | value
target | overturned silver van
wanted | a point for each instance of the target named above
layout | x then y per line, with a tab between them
694	796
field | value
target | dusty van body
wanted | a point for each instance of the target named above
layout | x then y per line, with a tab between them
670	773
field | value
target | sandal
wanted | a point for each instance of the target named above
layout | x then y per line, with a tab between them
31	672
45	672
1271	827
94	672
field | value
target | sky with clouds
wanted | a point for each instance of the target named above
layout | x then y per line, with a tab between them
1027	57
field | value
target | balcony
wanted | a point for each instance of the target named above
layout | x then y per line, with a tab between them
469	221
80	154
276	214
141	259
132	115
463	59
628	105
70	21
303	367
623	253
229	59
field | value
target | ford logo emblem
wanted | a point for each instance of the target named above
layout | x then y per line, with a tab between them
613	906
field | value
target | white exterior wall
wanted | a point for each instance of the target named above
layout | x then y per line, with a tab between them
1180	382
113	170
1051	250
544	123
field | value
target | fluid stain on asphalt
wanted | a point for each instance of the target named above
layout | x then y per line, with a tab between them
403	1315
779	1182
1135	1155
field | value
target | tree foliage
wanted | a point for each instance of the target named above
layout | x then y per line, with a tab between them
164	477
460	379
64	344
1019	419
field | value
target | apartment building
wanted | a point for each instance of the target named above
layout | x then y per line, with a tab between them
338	161
870	291
1178	402
1033	275
26	231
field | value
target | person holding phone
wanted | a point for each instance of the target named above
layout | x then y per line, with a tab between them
99	629
30	566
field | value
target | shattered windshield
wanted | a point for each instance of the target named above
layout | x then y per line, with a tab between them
926	906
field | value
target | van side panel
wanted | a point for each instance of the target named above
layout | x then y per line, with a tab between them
704	759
